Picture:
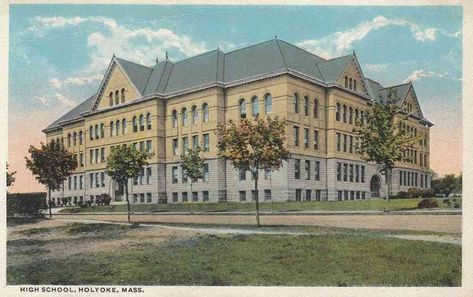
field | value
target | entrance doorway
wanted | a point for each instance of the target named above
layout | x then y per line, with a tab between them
375	185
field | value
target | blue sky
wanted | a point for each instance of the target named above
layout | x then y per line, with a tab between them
59	52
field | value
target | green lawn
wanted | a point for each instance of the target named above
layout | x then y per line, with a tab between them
271	260
372	204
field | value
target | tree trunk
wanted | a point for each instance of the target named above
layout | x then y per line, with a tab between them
257	198
127	200
388	188
49	202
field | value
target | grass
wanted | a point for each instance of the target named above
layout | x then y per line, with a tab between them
372	204
269	260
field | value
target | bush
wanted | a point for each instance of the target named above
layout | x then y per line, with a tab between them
456	205
414	193
427	203
446	200
402	195
26	204
64	201
105	199
427	193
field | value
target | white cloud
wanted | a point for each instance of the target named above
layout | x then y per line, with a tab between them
339	43
417	75
80	81
55	83
55	22
64	100
43	100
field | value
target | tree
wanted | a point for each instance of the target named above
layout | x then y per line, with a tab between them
123	163
253	146
193	164
446	185
10	177
51	164
382	139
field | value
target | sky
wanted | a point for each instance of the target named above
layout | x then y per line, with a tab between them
59	53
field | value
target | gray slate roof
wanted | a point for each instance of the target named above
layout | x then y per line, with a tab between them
265	58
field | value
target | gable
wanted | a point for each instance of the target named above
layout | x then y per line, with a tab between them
353	74
116	81
411	104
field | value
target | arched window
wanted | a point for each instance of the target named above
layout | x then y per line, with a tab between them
110	99
316	108
205	113
354	84
91	133
117	99
268	103
102	130
80	137
357	116
296	103
346	81
53	142
112	128
344	113
174	119
142	123
124	126
350	115
242	105
117	127
135	125
148	121
195	115
184	117
97	135
255	106
351	84
337	114
362	117
306	105
69	140
74	138
123	95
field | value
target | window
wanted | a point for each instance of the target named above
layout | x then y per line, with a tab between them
142	146
174	119
362	117
206	142
339	171
142	123
184	117
308	195
242	107
357	116
296	135
268	103
206	173
337	114
91	178
205	196
185	144
351	172
296	103
339	141
306	138
297	169
255	106
242	174
351	83
346	81
69	140
174	175
345	172
174	197
97	134
254	195
175	145
91	156
102	154
117	127
205	113
91	133
135	124
97	182
116	98
80	137
242	195
267	195
362	174
316	108
102	178
307	169
195	115
317	170
149	173
344	113
142	198
184	176
148	121
298	194
148	146
267	173
351	144
316	139
123	95
81	159
74	139
306	105
357	173
149	197
195	197
110	99
75	182
81	182
184	197
195	141
350	115
354	85
96	156
124	126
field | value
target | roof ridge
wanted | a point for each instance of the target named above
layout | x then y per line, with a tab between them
133	63
349	55
169	76
280	52
398	85
298	47
248	46
201	54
